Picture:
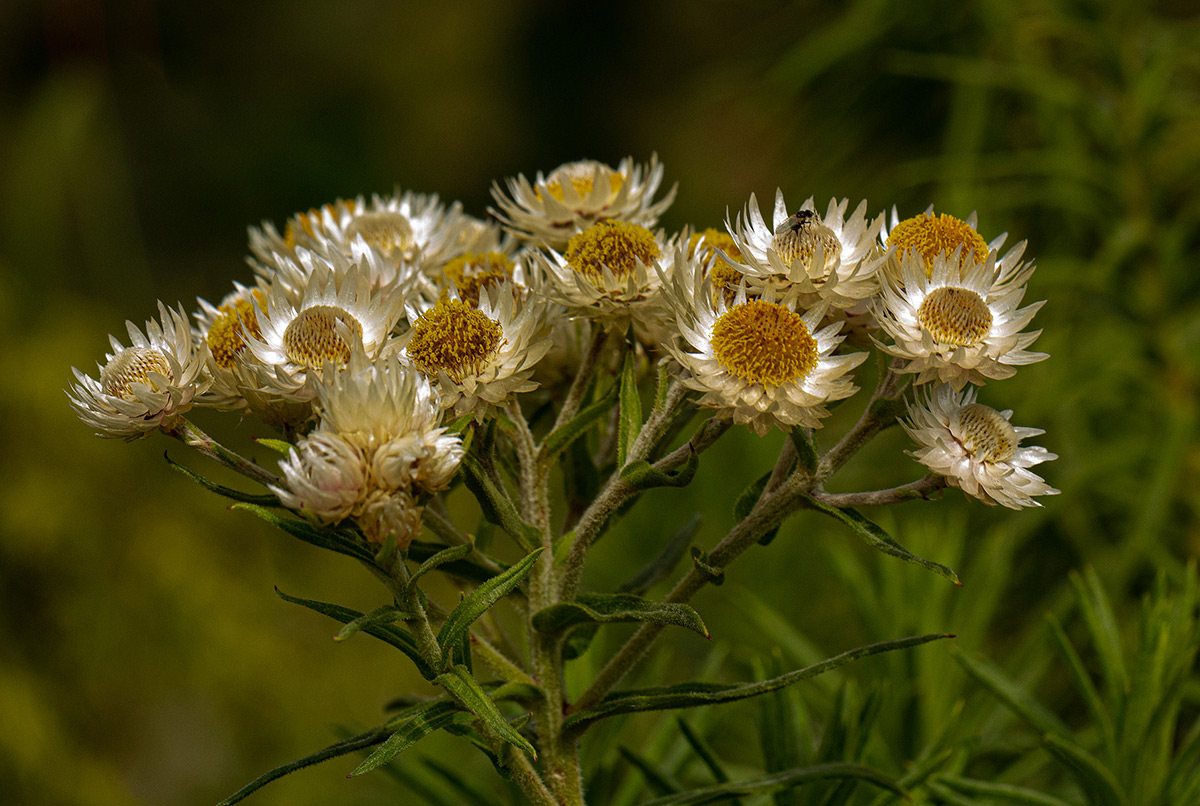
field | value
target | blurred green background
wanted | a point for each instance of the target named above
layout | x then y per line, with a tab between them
145	658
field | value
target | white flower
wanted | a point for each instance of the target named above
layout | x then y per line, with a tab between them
390	513
763	362
338	313
611	273
828	258
478	357
291	273
931	235
325	477
222	329
145	385
960	323
548	211
977	449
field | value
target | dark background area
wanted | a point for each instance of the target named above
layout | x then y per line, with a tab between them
144	657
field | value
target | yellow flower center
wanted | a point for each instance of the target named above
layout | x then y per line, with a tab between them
133	365
614	245
307	222
455	338
798	239
582	178
985	434
956	316
932	235
226	336
473	272
387	230
724	275
319	334
761	342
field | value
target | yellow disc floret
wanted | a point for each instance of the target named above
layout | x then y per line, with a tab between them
724	275
388	231
226	336
319	334
955	316
932	235
476	271
133	365
614	245
762	342
986	434
798	238
308	222
582	179
455	338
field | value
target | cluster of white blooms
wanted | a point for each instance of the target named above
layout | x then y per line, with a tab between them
369	325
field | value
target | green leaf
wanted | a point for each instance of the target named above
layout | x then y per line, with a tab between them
1001	792
607	608
641	475
1083	682
421	551
879	539
661	566
887	410
629	425
688	695
477	601
806	449
360	742
779	782
380	616
562	437
1018	700
388	633
443	557
227	492
703	751
464	688
277	445
779	729
716	576
339	541
495	503
659	781
1106	636
749	497
424	721
1091	773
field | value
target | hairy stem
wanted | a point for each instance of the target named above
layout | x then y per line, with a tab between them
875	417
921	488
187	433
583	378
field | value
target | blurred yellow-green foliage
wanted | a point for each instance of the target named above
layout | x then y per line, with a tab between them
145	658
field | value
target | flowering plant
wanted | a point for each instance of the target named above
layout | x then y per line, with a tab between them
551	361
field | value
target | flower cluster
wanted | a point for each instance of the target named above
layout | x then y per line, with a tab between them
368	326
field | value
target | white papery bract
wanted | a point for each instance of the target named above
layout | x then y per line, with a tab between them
819	258
976	448
146	385
338	313
960	323
325	477
478	357
762	362
222	330
548	211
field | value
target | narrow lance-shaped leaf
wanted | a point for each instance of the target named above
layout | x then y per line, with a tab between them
630	421
227	492
562	437
779	782
479	600
496	505
688	695
665	561
1091	773
703	751
388	633
380	616
277	445
443	557
1005	793
464	568
331	539
642	475
464	688
608	608
879	539
421	723
1018	700
659	781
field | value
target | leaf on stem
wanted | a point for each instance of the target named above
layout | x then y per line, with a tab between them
688	695
336	540
479	600
227	492
745	502
380	616
387	632
661	566
562	437
779	782
629	424
608	608
448	555
422	551
464	688
422	722
277	445
496	505
877	538
716	576
806	449
641	475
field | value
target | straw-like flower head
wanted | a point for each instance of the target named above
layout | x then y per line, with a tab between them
928	236
145	385
222	330
548	211
324	477
820	258
960	323
977	449
762	361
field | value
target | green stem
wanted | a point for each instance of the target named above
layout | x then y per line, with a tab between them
921	488
583	378
194	438
875	418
